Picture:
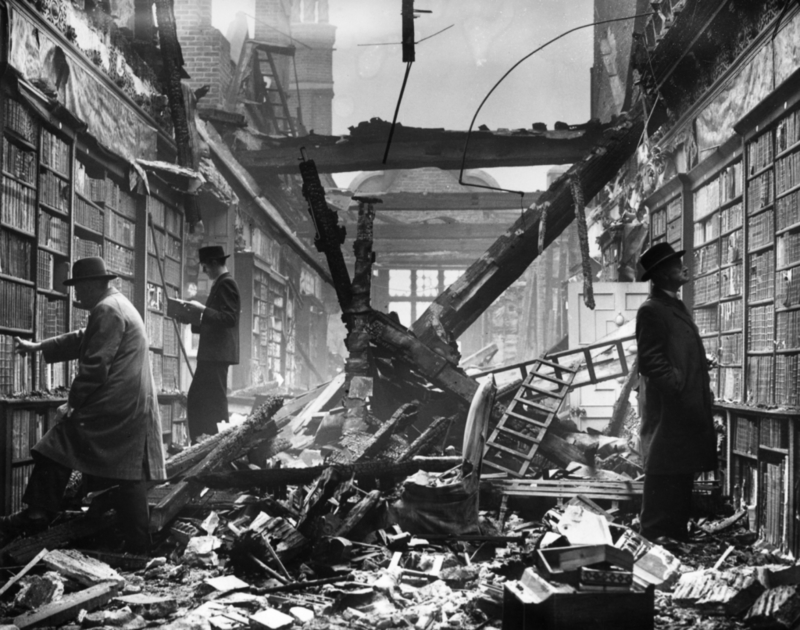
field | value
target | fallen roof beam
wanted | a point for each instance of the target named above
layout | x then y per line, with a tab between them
416	147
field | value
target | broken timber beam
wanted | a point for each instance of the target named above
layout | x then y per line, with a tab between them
504	262
412	147
233	445
361	470
68	607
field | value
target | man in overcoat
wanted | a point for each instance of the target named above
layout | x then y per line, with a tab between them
217	323
677	432
110	428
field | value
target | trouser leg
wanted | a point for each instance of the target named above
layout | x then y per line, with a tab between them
666	505
129	499
46	485
207	399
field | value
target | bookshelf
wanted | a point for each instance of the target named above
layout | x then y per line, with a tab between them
262	328
717	265
24	422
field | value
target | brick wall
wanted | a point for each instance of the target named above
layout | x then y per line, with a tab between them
314	74
206	52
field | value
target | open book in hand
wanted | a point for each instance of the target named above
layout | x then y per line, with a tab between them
178	309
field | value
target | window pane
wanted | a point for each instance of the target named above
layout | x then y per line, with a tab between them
451	275
428	282
421	308
403	310
400	282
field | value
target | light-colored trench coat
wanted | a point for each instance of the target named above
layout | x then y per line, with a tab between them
115	427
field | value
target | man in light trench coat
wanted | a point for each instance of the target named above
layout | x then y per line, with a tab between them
110	428
677	432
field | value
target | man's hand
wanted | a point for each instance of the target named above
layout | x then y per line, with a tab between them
194	307
23	347
64	411
711	361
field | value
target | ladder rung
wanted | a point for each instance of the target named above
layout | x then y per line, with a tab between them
547	377
557	366
538	423
533	403
545	392
546	410
511	451
501	468
522	436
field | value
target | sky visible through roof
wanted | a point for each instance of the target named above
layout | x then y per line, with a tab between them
455	69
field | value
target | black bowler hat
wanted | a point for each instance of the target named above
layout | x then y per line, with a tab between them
656	255
93	268
212	252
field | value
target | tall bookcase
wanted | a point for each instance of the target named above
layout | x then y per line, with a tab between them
262	340
717	265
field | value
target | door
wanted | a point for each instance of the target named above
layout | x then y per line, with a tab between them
616	304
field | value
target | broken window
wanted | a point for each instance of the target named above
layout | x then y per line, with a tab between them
411	290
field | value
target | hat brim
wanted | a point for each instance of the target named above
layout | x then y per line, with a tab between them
106	276
207	259
654	266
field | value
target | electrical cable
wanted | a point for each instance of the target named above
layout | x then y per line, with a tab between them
509	71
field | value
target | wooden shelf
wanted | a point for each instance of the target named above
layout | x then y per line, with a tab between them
27	283
55	252
784	309
762	171
747	455
15	331
774	449
83	197
17	230
58	174
729	232
53	293
83	228
789	350
790	265
759	353
731	331
763	302
754	213
15	137
19	181
788	228
761	248
787	151
111	240
61	213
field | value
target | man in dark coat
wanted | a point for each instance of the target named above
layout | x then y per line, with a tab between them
110	428
217	323
677	428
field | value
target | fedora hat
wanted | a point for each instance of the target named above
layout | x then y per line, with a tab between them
657	255
212	252
93	268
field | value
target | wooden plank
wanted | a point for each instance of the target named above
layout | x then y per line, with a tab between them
23	572
68	607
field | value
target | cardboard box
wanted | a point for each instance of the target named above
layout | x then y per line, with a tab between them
532	603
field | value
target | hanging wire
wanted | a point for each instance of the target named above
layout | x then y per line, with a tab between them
509	71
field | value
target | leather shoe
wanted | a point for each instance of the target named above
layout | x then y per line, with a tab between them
22	522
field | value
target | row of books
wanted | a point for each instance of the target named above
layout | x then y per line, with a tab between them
759	379
166	372
15	255
27	428
18	206
787	172
171	342
788	330
773	490
120	229
155	298
88	215
54	191
787	249
759	153
55	153
16	305
51	318
761	281
80	317
760	230
154	323
730	384
787	133
730	349
54	233
658	222
731	281
120	259
706	230
787	379
731	315
722	189
126	204
172	272
760	328
53	375
760	192
18	162
706	289
787	289
15	370
156	209
731	218
787	210
706	258
19	119
84	248
125	286
44	270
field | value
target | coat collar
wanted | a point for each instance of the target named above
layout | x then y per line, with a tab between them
677	306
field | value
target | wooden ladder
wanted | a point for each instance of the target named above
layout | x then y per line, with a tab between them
515	440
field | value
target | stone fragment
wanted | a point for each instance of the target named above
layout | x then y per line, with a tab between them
271	619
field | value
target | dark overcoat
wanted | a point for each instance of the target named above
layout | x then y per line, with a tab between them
677	426
115	424
219	326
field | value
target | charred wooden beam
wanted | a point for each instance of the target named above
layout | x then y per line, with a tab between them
417	148
371	469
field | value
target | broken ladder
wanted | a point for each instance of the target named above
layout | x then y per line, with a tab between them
515	440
